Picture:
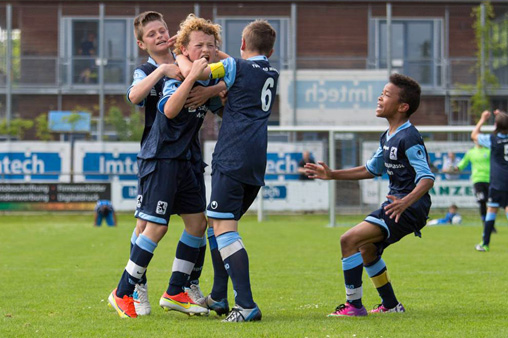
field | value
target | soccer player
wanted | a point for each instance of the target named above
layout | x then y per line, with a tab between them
169	184
238	164
104	210
152	36
498	190
479	157
402	155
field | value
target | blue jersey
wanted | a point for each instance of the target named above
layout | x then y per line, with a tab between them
104	205
498	145
404	158
240	151
173	138
150	102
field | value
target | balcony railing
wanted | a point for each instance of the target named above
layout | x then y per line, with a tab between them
39	74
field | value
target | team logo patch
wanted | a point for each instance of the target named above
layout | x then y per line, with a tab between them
214	204
161	207
139	199
393	153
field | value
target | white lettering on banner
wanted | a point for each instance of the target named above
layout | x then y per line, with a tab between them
31	165
282	165
342	94
126	166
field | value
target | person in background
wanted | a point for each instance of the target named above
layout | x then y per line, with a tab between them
452	217
104	210
449	162
306	158
497	142
479	157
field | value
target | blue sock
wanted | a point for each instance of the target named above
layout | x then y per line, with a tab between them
187	252
379	276
200	261
490	220
352	267
236	261
220	275
141	254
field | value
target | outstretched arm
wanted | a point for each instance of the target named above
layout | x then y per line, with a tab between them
140	90
199	94
477	129
323	172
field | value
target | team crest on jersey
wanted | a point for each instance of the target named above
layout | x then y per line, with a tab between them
161	207
393	153
139	199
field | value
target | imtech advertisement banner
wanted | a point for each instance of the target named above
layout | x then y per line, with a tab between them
331	97
448	189
105	162
35	161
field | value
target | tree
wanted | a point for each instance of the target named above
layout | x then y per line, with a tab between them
485	47
127	129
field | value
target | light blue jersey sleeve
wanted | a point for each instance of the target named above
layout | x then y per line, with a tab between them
138	76
170	86
484	140
418	159
229	71
376	165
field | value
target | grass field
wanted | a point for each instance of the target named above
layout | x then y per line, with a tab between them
57	271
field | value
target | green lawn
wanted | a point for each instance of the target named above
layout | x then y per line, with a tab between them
57	272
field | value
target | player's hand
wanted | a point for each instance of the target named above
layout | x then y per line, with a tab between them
485	115
320	170
172	71
223	97
171	42
197	68
197	97
396	207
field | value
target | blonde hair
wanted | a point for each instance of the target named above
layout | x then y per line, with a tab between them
194	24
259	36
145	18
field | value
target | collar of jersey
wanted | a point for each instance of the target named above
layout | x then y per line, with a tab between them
402	127
258	58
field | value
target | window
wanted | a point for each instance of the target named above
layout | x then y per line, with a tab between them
232	38
80	49
415	48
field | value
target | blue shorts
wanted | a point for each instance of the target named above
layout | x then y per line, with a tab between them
108	217
168	187
230	199
497	198
412	220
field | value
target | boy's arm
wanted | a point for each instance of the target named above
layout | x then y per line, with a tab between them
199	94
399	205
323	172
185	64
175	103
140	90
477	129
464	162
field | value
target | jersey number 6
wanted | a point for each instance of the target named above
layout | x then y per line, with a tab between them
266	94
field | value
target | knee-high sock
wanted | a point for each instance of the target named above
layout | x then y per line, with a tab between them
483	211
220	275
198	266
379	277
352	268
236	262
187	252
141	254
134	237
490	220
